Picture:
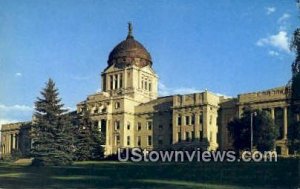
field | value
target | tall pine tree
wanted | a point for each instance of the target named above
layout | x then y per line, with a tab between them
51	131
89	140
294	127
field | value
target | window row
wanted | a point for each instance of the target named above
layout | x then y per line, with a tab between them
115	81
189	136
128	140
190	120
149	140
117	125
146	85
148	126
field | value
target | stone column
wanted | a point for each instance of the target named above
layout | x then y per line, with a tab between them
14	141
118	81
17	141
9	144
106	133
273	113
285	122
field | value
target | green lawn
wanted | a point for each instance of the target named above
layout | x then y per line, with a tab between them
281	174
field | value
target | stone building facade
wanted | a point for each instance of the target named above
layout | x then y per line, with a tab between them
15	138
273	100
130	114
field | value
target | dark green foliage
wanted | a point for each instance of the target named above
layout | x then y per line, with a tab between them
294	127
51	131
294	136
239	130
295	97
88	139
265	131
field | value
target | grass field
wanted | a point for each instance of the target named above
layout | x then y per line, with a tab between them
281	174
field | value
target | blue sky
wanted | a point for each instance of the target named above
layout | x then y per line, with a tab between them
227	47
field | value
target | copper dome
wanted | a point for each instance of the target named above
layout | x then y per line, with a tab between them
129	52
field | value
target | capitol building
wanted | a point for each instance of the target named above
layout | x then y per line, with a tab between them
129	112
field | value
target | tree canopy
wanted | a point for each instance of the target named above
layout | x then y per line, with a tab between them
52	134
265	131
89	140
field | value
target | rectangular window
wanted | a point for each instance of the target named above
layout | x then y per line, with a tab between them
117	125
117	140
193	135
187	136
201	135
139	141
128	140
150	87
149	140
111	82
187	120
179	136
179	120
193	119
149	125
201	119
115	81
139	126
128	125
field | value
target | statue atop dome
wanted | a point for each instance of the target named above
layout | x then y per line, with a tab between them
129	30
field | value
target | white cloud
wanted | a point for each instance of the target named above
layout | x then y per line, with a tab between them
284	17
70	108
18	74
15	113
283	21
225	96
273	53
22	108
270	10
165	91
279	41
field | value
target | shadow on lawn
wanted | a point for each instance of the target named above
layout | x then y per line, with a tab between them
282	174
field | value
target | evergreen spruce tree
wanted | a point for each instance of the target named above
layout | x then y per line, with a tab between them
51	131
294	127
88	138
295	88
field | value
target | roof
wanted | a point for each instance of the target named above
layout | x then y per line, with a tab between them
130	51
